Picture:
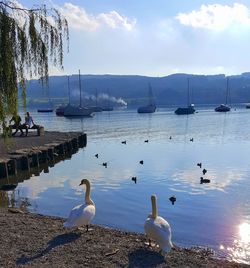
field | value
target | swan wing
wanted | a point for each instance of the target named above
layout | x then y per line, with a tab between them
80	215
159	230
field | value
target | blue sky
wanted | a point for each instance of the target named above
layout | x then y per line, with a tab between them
156	38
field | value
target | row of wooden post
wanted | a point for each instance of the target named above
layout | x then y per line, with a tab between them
43	155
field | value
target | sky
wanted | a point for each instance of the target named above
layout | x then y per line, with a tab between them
155	38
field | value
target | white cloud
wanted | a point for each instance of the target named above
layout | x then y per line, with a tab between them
216	16
79	19
115	20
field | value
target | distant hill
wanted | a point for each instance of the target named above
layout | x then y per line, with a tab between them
133	89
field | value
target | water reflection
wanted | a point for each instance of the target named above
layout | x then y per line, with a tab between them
220	180
32	187
244	232
240	250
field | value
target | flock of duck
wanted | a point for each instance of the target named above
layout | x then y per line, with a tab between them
156	227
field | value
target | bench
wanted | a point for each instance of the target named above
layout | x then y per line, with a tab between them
37	128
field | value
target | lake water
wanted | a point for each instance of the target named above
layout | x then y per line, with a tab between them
215	215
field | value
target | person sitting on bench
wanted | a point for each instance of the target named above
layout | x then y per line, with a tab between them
16	119
29	123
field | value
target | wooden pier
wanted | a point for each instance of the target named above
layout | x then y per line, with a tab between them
29	156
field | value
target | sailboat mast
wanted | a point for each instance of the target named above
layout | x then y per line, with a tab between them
69	90
96	97
227	92
188	96
150	95
80	89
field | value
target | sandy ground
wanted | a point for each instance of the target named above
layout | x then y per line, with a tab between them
30	240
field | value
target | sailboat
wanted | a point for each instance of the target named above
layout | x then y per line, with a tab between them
49	108
71	111
150	108
96	108
190	107
108	107
61	108
224	107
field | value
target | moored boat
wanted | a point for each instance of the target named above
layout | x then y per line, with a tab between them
146	109
185	110
151	107
224	107
71	111
107	109
190	107
45	110
80	111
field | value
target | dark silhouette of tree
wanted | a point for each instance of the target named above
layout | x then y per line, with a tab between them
30	39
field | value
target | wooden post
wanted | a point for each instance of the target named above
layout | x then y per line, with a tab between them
3	170
25	163
51	154
75	143
35	160
60	148
12	167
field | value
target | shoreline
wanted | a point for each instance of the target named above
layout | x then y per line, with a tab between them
34	240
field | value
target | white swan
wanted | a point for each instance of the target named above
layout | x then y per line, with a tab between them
82	214
158	229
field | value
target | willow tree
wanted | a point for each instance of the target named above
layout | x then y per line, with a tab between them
30	39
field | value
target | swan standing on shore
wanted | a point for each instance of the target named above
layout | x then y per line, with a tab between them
158	229
82	214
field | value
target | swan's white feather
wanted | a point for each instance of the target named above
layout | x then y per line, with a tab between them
80	215
159	230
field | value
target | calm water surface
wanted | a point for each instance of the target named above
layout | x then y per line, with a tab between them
215	215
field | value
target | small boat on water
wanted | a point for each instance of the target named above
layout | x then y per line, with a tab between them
71	111
79	111
185	110
96	109
146	109
151	107
248	106
60	110
224	107
190	107
45	110
107	109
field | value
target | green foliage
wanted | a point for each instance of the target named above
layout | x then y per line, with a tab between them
29	39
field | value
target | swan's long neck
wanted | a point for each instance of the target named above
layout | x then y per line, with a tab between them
87	193
154	207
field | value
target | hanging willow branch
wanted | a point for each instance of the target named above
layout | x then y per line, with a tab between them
29	39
